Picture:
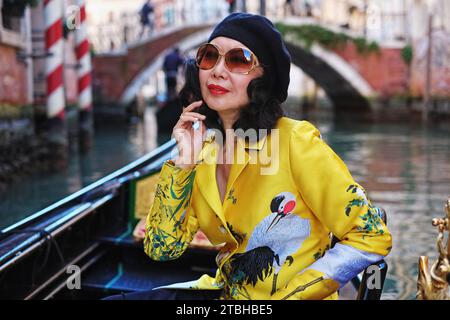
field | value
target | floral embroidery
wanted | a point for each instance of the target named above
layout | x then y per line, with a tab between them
373	225
172	198
185	194
371	220
359	201
165	246
231	196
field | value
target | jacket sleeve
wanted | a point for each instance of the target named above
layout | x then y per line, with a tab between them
171	223
341	205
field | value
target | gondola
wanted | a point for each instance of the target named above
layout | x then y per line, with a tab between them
82	247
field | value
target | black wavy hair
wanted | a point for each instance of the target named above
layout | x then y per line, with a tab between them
262	112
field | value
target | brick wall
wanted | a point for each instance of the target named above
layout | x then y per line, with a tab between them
112	74
386	72
13	77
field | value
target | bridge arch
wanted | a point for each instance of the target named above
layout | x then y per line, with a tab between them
190	42
122	74
342	83
117	74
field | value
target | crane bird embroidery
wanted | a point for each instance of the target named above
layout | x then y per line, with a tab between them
272	243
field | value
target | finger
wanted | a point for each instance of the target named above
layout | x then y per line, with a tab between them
193	105
179	134
189	118
194	114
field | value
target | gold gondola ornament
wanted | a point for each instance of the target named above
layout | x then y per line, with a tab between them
433	284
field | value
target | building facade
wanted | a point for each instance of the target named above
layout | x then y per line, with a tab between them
22	55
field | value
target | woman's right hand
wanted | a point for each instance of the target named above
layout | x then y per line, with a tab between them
189	141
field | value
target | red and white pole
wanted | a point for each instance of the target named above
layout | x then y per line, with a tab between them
84	61
54	45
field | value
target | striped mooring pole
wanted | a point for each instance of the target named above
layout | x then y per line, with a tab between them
84	61
84	72
54	45
54	70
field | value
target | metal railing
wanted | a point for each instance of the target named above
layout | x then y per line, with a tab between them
119	33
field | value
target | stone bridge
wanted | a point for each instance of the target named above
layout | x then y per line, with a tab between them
350	79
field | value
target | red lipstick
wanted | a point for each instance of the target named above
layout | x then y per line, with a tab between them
215	89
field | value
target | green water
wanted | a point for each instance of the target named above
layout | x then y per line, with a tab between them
405	167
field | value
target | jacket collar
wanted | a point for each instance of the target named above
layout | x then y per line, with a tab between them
206	171
253	145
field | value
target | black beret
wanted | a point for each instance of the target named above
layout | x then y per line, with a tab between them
260	35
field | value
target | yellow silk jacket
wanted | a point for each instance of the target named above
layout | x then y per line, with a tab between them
275	220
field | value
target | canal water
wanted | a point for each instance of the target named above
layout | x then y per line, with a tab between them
405	167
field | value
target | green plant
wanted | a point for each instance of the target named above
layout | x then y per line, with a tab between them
10	111
407	54
310	34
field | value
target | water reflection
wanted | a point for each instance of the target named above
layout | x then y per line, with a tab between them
404	167
114	145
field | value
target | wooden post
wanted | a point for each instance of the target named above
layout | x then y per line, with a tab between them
427	93
262	7
243	5
314	95
405	22
54	45
83	54
365	8
57	139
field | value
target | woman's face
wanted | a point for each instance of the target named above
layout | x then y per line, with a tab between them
236	97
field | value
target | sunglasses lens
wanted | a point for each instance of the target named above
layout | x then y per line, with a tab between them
239	60
207	56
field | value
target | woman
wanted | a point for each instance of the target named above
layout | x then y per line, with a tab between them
275	207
